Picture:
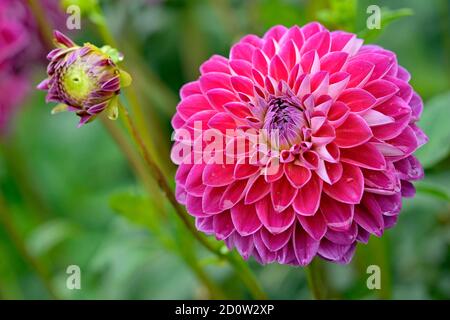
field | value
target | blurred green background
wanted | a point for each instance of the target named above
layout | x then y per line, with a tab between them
72	199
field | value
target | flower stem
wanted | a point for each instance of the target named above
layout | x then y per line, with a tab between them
16	239
315	281
163	183
44	25
242	269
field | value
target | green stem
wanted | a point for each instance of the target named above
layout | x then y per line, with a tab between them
44	25
16	239
315	281
247	276
242	269
163	183
19	170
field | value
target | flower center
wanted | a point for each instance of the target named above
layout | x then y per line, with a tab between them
284	120
77	82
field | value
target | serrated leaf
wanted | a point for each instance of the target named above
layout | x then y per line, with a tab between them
434	123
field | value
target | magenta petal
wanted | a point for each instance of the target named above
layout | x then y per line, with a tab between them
217	175
365	155
193	104
282	194
343	237
333	61
297	175
275	222
382	90
219	97
233	194
215	64
360	72
264	254
189	89
335	252
275	242
353	132
369	216
305	247
257	190
194	206
245	219
214	80
408	189
244	245
194	182
349	189
315	225
211	199
223	226
357	100
205	224
338	215
308	197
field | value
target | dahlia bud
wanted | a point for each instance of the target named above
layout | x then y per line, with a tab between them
84	79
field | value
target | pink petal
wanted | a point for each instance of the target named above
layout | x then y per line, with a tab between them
365	155
193	104
258	189
215	64
349	189
338	215
305	247
315	225
242	85
278	69
219	97
275	242
245	219
360	72
217	175
297	175
215	80
222	225
308	197
211	199
242	51
369	216
343	237
382	90
357	100
275	222
282	194
352	132
333	61
194	182
233	194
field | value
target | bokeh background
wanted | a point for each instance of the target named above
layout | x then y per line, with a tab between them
69	197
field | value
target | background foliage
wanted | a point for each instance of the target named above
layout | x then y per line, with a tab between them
73	200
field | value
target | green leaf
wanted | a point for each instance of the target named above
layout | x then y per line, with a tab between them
387	17
433	190
434	122
135	208
340	15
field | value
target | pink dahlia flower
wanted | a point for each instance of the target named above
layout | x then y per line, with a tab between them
344	114
21	47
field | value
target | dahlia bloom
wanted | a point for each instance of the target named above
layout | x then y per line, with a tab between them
20	49
345	117
84	79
